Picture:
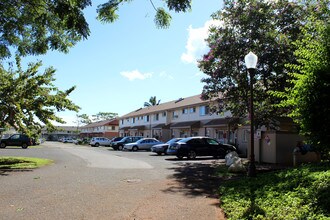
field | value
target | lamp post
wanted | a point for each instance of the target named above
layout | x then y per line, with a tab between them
251	64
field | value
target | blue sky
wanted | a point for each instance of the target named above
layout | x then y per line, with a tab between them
121	65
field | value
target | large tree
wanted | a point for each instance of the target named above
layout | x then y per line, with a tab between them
308	97
34	27
267	28
29	100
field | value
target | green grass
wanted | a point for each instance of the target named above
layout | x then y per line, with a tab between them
300	193
23	162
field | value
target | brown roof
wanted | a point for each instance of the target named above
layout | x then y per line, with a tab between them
113	121
179	103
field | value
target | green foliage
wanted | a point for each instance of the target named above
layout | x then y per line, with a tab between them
29	99
104	116
83	119
267	28
179	5
308	97
107	12
152	102
22	162
34	27
162	18
301	193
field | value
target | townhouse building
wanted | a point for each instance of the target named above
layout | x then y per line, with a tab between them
106	128
60	132
183	117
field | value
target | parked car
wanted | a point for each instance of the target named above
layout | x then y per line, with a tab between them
119	145
199	146
16	140
67	140
99	141
162	148
115	139
142	144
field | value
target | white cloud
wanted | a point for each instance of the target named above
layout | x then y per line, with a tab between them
196	45
135	74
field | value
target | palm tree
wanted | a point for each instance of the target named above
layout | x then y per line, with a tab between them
152	102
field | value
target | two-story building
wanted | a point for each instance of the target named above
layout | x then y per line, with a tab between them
183	117
60	132
107	128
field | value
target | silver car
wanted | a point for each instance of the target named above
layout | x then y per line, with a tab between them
142	144
99	141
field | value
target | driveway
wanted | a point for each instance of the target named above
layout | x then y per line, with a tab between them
99	183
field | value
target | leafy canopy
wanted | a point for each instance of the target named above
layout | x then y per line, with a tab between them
308	97
34	27
266	28
152	102
29	100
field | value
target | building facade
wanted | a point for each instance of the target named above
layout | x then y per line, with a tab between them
184	117
60	132
107	128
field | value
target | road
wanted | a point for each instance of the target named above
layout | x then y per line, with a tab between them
99	183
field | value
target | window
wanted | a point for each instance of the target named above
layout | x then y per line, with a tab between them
113	128
156	118
192	110
122	121
185	111
146	118
164	114
174	115
204	110
245	135
133	120
212	142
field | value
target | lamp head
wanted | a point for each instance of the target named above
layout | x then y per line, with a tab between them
251	60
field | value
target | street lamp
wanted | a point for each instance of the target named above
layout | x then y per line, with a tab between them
251	64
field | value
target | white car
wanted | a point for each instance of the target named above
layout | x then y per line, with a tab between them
100	141
142	144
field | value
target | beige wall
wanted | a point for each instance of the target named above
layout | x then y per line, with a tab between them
276	147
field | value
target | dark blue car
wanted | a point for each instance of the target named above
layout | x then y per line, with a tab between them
199	146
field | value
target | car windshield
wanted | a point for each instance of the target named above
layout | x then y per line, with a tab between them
173	140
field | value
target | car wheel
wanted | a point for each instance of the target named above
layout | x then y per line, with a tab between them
135	148
159	153
191	154
24	145
180	157
97	145
2	145
120	147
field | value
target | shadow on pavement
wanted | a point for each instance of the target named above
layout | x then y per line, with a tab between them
6	172
195	179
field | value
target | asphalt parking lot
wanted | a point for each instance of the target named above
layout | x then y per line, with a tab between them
100	183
